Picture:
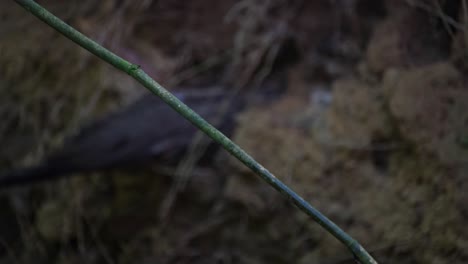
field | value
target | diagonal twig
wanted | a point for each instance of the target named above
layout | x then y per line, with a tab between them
138	74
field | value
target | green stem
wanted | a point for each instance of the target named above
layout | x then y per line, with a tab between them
134	70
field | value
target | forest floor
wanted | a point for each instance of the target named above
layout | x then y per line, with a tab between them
371	129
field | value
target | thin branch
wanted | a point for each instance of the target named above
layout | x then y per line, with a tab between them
138	74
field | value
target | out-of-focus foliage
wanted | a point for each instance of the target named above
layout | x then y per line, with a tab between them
371	131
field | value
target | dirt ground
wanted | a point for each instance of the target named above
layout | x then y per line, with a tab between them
371	129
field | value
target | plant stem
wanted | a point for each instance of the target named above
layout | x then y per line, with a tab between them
137	73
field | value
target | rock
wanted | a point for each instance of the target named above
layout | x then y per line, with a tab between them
429	105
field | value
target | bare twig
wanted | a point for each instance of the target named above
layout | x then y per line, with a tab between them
138	74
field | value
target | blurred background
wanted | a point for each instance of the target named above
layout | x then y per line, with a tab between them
371	127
